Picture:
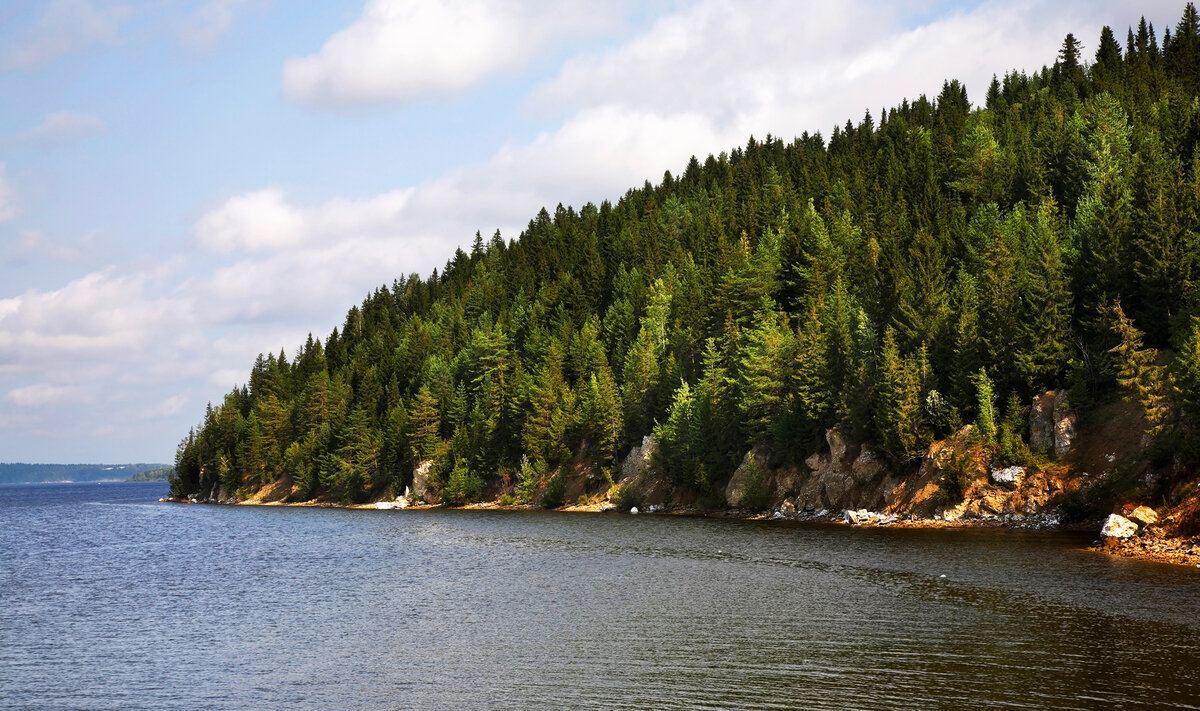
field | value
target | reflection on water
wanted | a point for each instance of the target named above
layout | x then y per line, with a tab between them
139	604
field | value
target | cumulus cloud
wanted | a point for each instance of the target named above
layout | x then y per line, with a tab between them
209	23
263	220
8	202
62	127
96	317
399	50
67	26
786	67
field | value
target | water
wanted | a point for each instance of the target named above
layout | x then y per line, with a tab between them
110	600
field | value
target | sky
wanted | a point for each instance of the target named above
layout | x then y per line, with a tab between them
187	183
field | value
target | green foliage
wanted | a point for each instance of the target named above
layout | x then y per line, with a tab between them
463	486
755	492
985	405
958	473
863	279
529	478
1010	445
556	491
627	497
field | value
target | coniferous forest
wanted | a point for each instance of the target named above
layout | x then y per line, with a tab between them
927	266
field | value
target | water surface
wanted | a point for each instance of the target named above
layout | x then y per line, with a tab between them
111	600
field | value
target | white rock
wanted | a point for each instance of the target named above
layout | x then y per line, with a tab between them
1008	475
858	517
1116	526
634	510
385	505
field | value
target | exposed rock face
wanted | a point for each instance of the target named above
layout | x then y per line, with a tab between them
421	479
845	477
637	473
637	462
1144	516
1117	526
1008	475
737	483
1052	423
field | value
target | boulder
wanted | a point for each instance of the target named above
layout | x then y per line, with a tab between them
1118	527
1010	476
1051	423
857	517
1144	516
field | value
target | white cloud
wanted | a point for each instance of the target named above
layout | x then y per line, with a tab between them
44	394
64	127
170	406
786	67
263	220
33	245
67	26
209	23
252	222
8	203
94	318
399	50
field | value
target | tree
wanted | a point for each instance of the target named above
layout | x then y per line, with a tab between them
985	405
764	364
1139	371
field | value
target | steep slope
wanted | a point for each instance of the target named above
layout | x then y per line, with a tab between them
936	267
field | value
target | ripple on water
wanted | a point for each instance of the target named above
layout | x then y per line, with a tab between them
137	604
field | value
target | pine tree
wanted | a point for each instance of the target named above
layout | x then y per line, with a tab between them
764	364
1139	371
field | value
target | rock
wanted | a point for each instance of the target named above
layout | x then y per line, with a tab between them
638	459
385	505
857	518
737	483
786	509
654	508
634	510
1008	475
1051	423
421	478
1144	516
1118	527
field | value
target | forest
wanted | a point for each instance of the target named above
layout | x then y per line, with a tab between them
933	264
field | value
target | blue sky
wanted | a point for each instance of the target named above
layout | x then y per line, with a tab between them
185	184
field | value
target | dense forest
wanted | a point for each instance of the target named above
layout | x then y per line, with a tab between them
931	265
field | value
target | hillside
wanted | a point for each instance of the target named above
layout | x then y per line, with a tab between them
17	473
932	266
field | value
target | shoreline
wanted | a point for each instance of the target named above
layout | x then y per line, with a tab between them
1174	551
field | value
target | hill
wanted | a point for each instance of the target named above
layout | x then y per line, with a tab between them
937	265
44	473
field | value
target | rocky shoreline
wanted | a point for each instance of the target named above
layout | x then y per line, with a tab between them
1150	545
958	482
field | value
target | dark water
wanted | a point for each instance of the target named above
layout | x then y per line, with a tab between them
109	600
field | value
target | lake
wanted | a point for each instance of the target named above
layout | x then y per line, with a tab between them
111	600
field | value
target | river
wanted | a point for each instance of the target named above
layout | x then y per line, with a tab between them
111	600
